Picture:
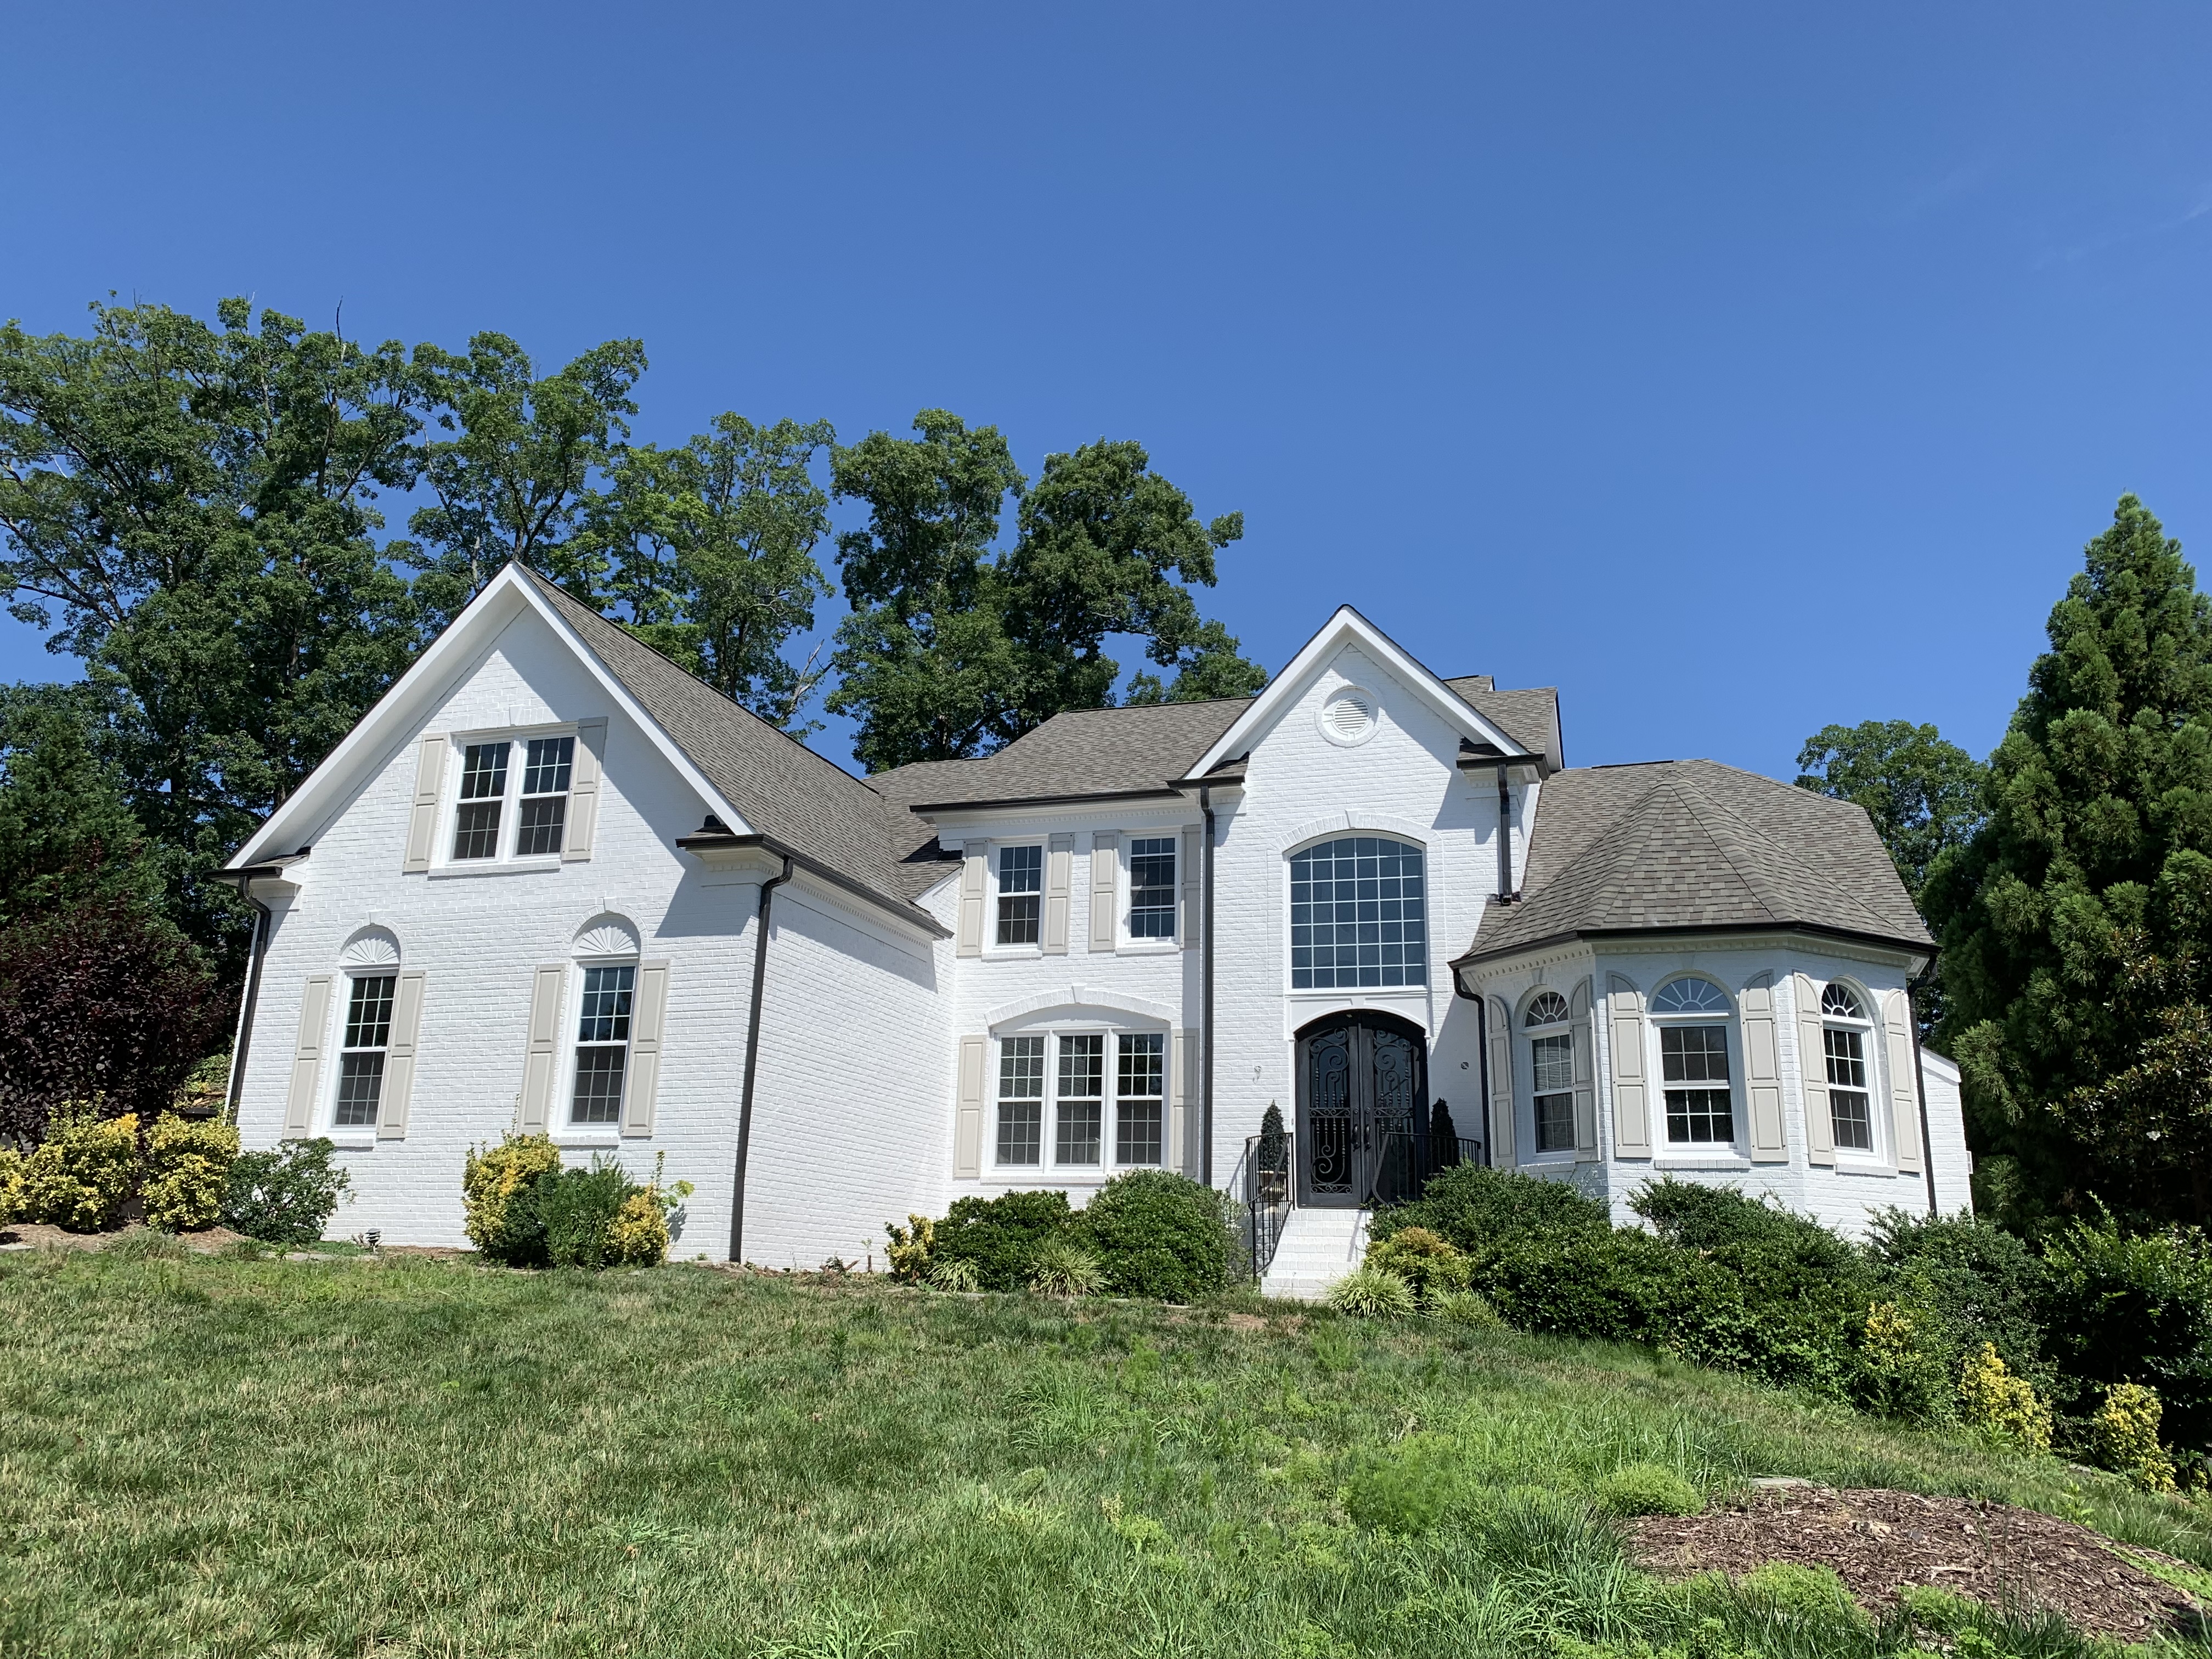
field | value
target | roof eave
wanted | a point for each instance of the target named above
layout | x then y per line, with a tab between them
1571	935
1165	791
708	841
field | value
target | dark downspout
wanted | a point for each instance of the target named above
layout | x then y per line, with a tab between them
1206	957
1920	1086
1504	834
752	1063
262	923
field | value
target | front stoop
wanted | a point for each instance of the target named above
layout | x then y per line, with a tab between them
1318	1247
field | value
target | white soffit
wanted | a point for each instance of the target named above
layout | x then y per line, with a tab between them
1347	627
401	710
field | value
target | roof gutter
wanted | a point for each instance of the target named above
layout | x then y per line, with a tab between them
928	809
719	839
1569	936
752	1066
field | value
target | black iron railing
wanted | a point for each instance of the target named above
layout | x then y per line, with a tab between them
1264	1191
1405	1164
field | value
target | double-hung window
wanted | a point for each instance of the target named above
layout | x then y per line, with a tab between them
1692	1015
603	1044
1152	887
361	1061
1082	1114
483	794
1021	1100
1021	893
548	765
1552	1056
1844	1029
1138	1100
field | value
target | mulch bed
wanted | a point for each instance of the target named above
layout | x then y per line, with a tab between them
1880	1542
37	1235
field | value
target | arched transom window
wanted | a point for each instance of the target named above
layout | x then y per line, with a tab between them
1692	1015
1551	1062
1845	1030
1358	914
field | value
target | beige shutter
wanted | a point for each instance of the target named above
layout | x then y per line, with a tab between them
1187	913
648	1018
1813	1072
544	1056
307	1059
399	1057
1105	871
1501	1086
967	1123
584	791
1904	1098
1583	1036
1631	1105
1059	872
971	899
1190	1070
1179	1044
423	821
1762	1066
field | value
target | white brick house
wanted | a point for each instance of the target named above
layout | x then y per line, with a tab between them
528	892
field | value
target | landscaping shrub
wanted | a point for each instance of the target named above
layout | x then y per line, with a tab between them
2124	1435
186	1171
1373	1293
1481	1210
286	1196
908	1253
1647	1489
1158	1235
639	1236
2003	1406
500	1211
1467	1308
999	1237
1969	1280
1901	1372
2121	1308
576	1212
82	1174
1063	1267
1429	1263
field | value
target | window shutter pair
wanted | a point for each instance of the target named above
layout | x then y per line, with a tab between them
1812	1071
1059	873
1585	1075
970	937
313	1043
1762	1066
1501	1086
649	1019
1188	910
1105	871
1632	1106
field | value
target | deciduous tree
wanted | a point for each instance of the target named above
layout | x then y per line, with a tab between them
1922	794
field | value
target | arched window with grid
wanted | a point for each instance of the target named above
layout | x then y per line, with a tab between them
1358	914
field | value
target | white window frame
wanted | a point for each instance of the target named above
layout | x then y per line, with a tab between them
1530	1034
504	858
992	894
1421	988
1125	894
1871	1053
561	1109
1731	1048
1049	1169
358	1134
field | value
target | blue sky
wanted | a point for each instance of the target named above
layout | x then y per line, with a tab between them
1735	369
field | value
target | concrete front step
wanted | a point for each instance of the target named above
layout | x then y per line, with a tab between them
1317	1248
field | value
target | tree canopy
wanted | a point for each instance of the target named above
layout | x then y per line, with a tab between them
1922	794
2089	886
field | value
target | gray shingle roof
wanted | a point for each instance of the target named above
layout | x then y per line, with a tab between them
784	789
1675	844
1530	718
1086	751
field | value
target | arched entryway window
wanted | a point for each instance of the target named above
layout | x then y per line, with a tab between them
1363	1117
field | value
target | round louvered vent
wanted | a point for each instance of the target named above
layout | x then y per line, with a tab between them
1348	717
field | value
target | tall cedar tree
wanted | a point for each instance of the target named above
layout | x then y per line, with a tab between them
2096	859
187	508
951	651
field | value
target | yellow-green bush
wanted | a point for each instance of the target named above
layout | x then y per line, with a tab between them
1993	1400
492	1180
2123	1434
11	1185
82	1172
639	1235
909	1250
1431	1264
1900	1370
187	1170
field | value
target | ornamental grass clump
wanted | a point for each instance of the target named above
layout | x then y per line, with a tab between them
187	1172
2124	1435
1373	1293
1063	1267
2000	1405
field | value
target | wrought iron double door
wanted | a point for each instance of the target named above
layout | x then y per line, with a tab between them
1363	1081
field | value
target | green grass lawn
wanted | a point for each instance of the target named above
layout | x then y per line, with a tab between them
420	1457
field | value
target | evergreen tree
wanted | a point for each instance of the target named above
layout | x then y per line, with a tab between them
2096	859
